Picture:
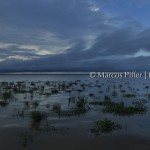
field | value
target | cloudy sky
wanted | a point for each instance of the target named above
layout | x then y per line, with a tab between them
74	35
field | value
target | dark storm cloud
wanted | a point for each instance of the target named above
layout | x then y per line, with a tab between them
121	42
66	35
63	17
129	64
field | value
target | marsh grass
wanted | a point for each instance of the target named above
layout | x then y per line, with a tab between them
26	103
147	87
118	108
57	108
91	95
35	104
81	103
37	116
73	112
54	91
21	91
139	103
114	93
106	97
123	91
3	103
71	100
128	95
96	103
81	108
104	103
122	110
7	95
105	126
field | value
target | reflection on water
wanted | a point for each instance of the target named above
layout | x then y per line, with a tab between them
62	104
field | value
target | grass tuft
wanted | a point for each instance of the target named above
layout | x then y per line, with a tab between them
105	126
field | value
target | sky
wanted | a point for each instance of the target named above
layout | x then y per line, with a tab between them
74	35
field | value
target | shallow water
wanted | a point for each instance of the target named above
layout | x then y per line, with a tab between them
137	125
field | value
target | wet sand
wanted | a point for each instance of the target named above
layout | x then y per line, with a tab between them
74	141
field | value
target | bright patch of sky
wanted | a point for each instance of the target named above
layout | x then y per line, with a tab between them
138	10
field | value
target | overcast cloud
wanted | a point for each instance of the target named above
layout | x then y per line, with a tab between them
74	35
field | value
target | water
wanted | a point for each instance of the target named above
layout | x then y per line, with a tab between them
11	118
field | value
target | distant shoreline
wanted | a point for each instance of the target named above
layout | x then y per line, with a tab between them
56	73
47	73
